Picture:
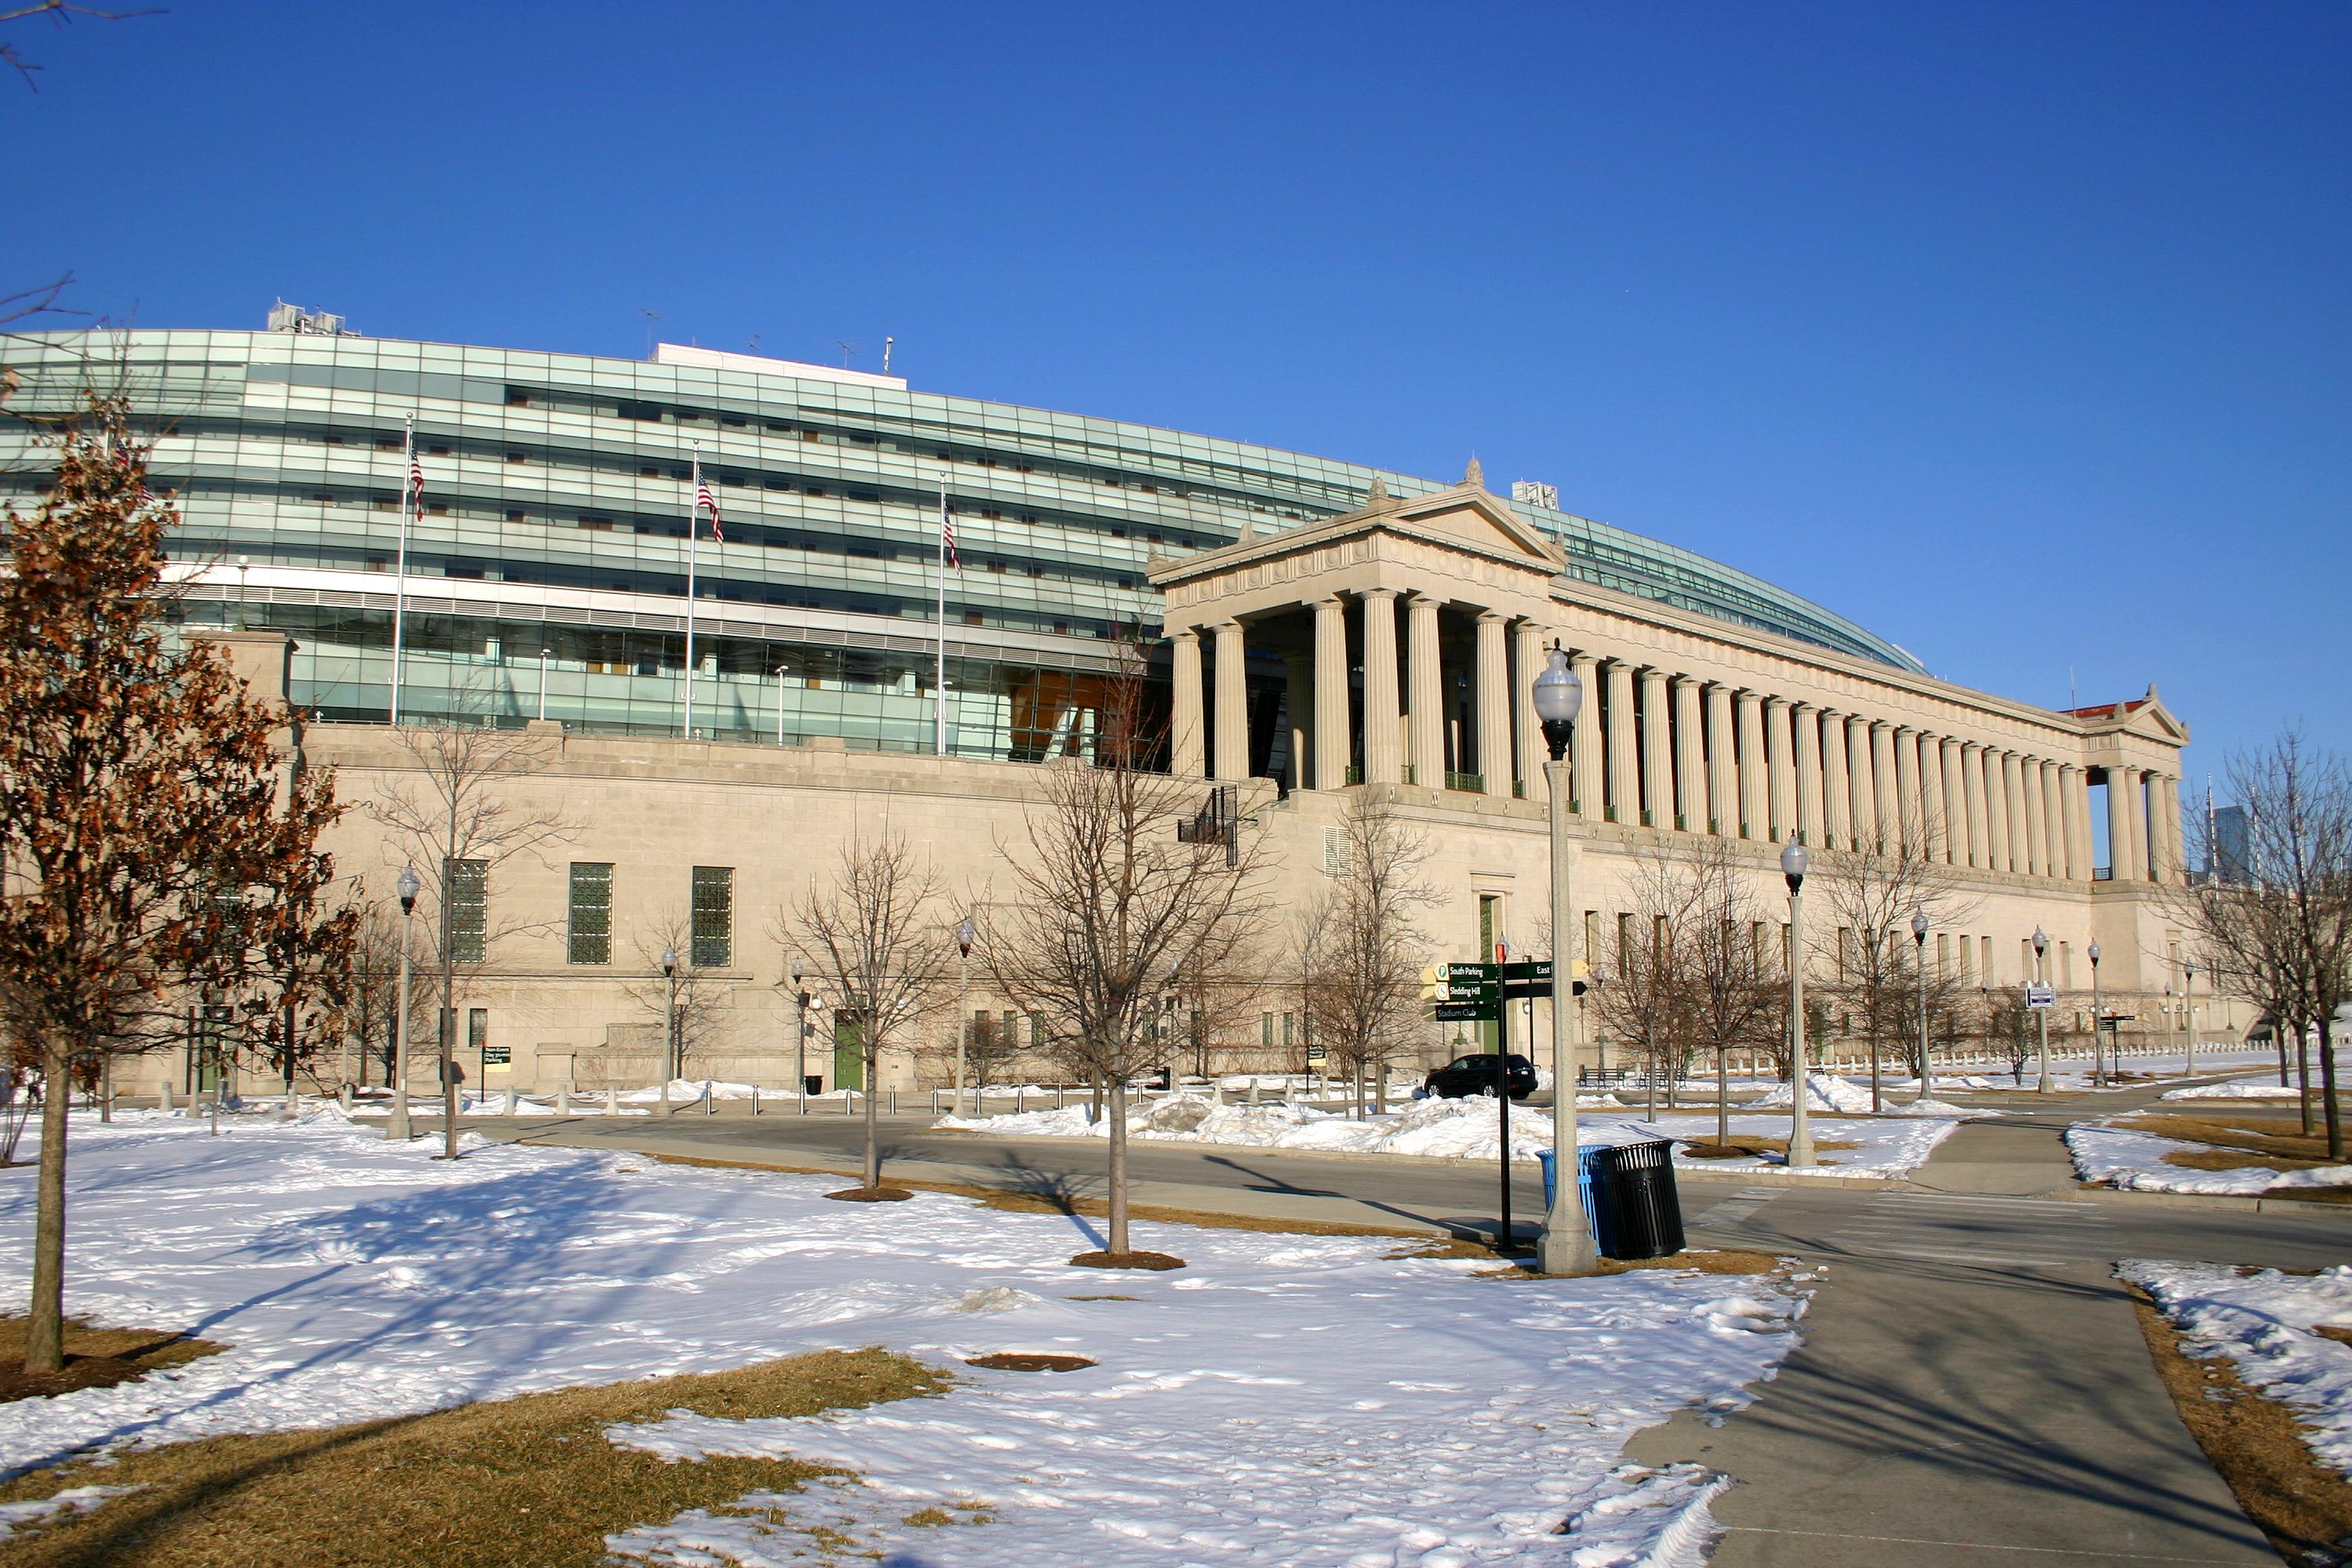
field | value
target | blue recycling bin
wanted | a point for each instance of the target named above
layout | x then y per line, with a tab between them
1591	1186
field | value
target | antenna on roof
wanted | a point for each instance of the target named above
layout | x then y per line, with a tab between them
2072	698
651	317
753	346
886	343
847	349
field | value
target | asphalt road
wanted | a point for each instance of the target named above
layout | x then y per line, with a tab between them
1973	1387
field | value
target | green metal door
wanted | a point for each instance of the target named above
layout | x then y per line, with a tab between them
849	1050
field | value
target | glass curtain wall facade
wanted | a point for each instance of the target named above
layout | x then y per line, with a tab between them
547	572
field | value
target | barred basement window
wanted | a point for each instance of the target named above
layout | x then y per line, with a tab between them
713	932
590	934
469	908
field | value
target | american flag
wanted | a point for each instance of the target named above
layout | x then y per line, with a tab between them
702	497
947	536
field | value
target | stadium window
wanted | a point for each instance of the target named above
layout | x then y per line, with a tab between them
589	934
518	398
518	456
597	524
713	930
515	516
650	473
972	618
437	451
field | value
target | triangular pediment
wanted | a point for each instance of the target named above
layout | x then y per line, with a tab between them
1462	517
2145	717
1472	517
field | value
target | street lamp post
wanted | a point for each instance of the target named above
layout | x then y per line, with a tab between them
1566	1246
396	1125
543	655
963	935
1919	942
669	1014
244	566
1793	860
2189	1011
2042	1014
799	1037
2098	1025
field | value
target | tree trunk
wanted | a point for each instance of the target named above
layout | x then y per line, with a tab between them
873	1142
2327	1089
45	1327
1118	1242
2302	1074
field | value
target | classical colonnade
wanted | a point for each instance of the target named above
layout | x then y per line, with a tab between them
1668	750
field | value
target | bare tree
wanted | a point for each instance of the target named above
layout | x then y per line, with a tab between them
2282	933
1119	880
452	813
1872	897
1737	987
877	932
1648	996
1360	948
675	988
373	1007
153	838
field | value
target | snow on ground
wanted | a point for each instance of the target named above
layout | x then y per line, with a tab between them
1823	1093
1285	1398
2126	1157
2237	1089
2262	1321
1469	1130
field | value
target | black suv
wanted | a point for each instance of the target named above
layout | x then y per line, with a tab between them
1466	1076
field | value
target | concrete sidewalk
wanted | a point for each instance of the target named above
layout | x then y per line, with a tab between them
1947	1410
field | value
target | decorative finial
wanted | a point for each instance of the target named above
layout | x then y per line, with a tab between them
1379	492
1249	530
1474	476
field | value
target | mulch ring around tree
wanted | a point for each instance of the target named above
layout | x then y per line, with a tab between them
95	1357
870	1195
1159	1261
1027	1360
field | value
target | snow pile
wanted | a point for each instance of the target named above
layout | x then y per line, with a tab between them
2262	1322
2238	1088
2125	1157
1935	1108
1823	1093
682	1089
1285	1398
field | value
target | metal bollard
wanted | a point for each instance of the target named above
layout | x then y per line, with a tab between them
612	1102
1019	1095
755	1099
710	1105
166	1106
563	1098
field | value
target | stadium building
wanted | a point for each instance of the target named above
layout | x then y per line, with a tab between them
1310	626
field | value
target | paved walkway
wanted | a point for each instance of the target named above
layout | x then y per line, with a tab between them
1973	1388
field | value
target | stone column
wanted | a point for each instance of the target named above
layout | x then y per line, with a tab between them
1383	736
2123	788
1494	678
1908	808
1955	804
1882	771
1754	782
1298	692
2079	807
1809	773
1690	757
2163	828
1657	753
1781	764
1332	752
1186	752
1972	786
2037	827
2053	822
1624	780
1996	812
1528	661
1837	784
1722	767
1425	736
1938	844
2014	792
1861	766
2076	859
1232	704
1584	747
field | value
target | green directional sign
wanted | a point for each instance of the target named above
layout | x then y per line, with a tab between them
1468	1012
1464	973
1521	972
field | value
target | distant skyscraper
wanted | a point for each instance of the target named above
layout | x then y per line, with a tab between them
2227	858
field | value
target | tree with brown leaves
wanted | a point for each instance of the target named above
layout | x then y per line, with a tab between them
153	838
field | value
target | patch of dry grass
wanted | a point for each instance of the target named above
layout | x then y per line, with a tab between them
1755	1147
95	1357
1704	1260
528	1482
2255	1444
2280	1140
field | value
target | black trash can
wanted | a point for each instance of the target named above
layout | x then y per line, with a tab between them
1643	1215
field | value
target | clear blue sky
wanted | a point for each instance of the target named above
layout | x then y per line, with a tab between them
2019	333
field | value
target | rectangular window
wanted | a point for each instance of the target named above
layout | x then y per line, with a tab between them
478	1027
1289	1030
469	908
590	934
1265	1029
714	917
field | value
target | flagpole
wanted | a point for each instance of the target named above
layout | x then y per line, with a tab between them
693	516
939	674
410	494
